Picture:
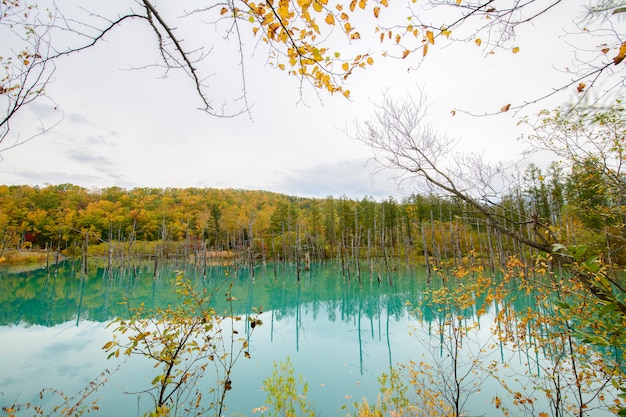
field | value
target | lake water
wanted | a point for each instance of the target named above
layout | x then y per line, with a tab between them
339	333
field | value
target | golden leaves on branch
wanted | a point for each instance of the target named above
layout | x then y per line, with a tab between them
294	29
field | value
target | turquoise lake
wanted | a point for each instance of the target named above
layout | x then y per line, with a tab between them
340	332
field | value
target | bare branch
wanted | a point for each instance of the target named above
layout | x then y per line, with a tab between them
402	140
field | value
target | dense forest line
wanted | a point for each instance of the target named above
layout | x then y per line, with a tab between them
121	225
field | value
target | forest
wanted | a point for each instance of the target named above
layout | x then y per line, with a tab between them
118	226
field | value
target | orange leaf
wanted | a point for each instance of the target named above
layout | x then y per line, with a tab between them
621	54
581	87
430	36
477	41
376	12
425	50
405	53
330	19
223	11
355	35
506	107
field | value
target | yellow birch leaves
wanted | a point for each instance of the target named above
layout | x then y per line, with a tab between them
296	30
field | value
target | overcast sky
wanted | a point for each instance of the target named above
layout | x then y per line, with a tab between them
137	128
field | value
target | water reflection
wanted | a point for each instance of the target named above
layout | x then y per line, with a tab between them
40	297
340	334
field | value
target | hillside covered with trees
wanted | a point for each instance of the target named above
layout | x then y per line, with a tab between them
148	223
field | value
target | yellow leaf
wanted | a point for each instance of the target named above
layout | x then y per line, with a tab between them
370	60
430	36
281	66
425	50
458	1
317	6
355	36
384	3
478	41
376	12
506	107
330	19
446	32
345	66
362	4
344	16
337	54
346	93
497	402
352	5
515	50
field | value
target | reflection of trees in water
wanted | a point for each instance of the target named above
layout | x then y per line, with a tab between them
38	297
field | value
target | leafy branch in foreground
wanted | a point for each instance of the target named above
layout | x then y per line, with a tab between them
185	342
286	393
69	406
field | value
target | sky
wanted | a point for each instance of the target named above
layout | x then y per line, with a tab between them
124	124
